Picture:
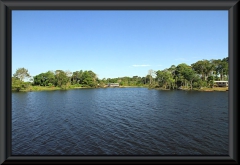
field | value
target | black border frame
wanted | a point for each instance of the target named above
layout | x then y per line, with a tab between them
6	7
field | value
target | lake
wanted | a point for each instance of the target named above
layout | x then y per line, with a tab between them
120	121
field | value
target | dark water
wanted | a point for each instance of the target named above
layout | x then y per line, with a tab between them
119	121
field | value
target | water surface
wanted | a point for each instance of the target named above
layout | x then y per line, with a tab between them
119	121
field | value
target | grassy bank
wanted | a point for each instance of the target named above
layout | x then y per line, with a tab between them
40	88
205	89
162	89
214	89
47	88
133	86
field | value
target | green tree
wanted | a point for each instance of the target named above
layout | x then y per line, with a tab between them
38	79
77	77
190	75
223	68
180	73
165	79
61	79
172	69
44	79
89	79
21	74
17	84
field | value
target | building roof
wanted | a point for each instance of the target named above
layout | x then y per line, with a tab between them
220	81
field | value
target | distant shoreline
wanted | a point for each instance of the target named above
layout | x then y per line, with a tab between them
42	88
132	87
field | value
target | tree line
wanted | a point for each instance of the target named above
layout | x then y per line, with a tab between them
200	74
203	73
58	78
197	75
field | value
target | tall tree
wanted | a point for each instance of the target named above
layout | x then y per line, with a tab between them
180	73
61	78
21	73
151	74
190	75
172	69
223	67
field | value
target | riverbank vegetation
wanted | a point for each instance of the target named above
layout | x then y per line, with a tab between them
197	76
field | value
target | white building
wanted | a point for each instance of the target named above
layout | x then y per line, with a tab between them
221	83
113	84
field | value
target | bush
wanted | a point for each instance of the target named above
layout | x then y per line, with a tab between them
50	84
63	86
196	85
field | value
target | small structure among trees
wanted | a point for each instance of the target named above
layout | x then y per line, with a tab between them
221	83
113	84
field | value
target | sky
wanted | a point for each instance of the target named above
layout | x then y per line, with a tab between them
116	43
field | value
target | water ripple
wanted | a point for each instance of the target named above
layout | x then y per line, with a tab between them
119	121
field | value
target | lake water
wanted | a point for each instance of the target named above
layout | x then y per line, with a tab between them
119	121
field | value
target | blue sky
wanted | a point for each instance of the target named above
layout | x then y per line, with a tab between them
116	43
